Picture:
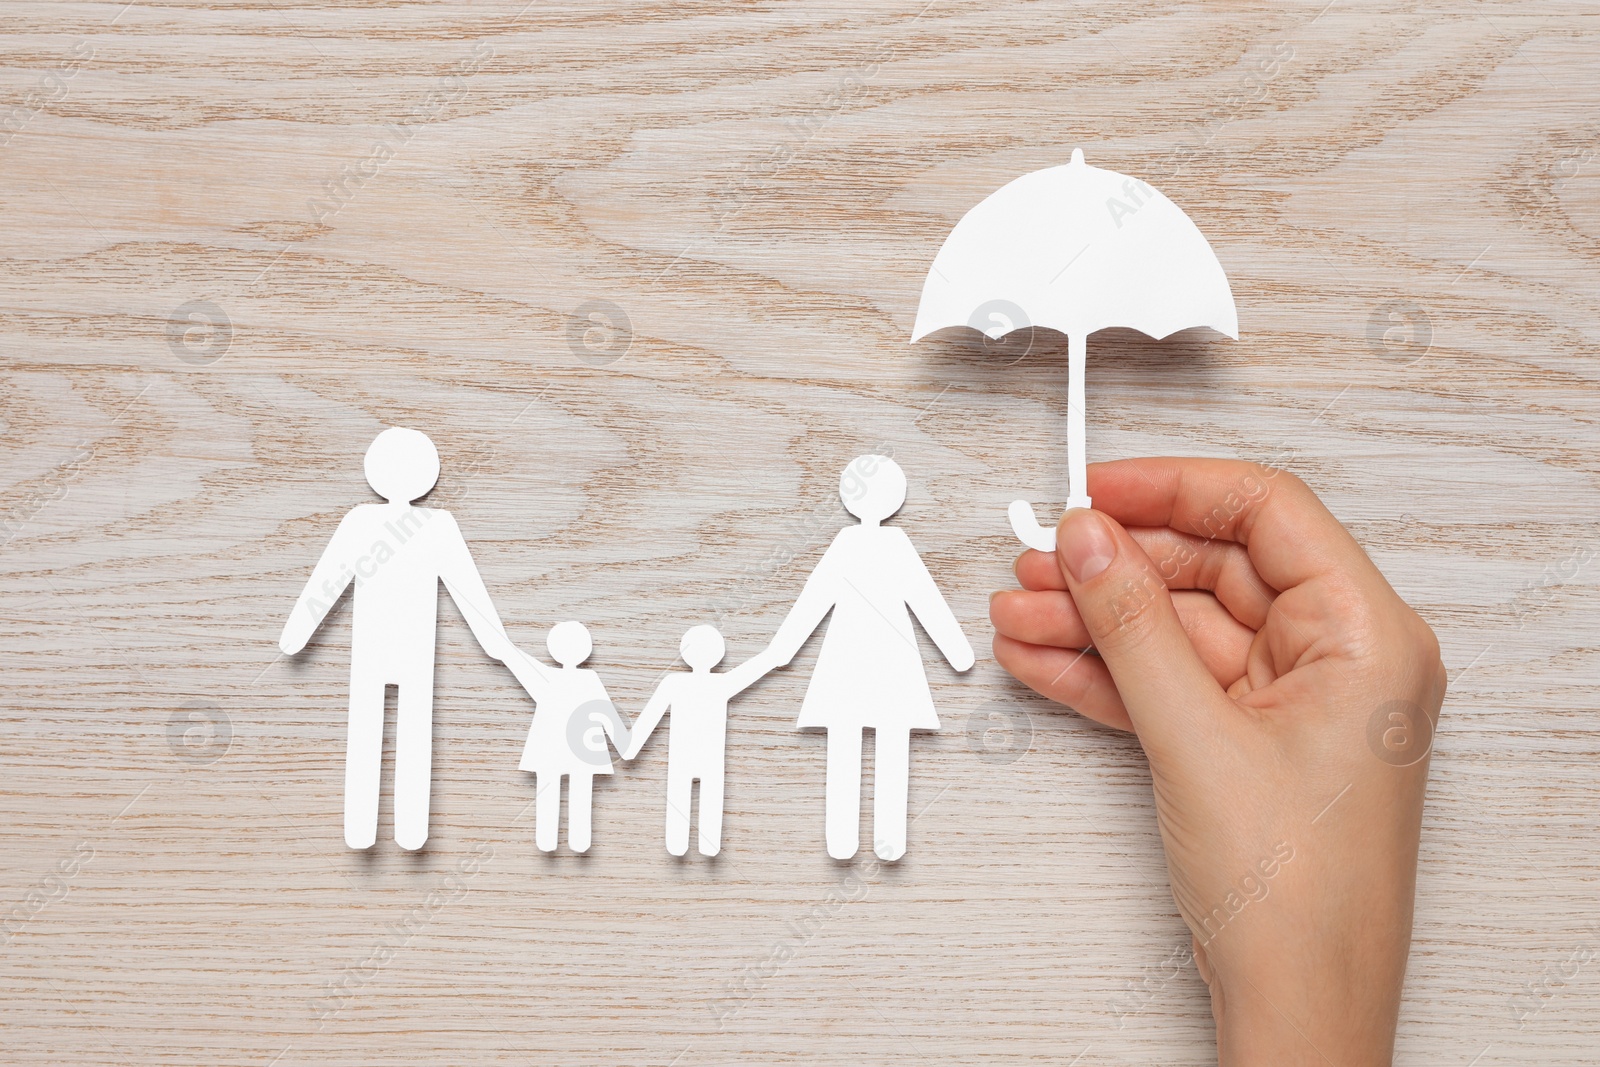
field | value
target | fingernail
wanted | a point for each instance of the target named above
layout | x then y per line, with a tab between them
1086	546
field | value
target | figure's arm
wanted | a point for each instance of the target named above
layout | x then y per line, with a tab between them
461	577
534	676
613	724
649	718
930	608
813	605
747	673
328	580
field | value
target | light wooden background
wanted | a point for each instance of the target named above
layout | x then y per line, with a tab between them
1407	202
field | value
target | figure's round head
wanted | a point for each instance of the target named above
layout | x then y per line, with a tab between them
702	647
402	465
872	488
569	643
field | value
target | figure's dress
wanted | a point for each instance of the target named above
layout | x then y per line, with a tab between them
870	671
549	748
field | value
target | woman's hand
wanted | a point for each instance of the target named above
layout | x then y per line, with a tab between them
1285	697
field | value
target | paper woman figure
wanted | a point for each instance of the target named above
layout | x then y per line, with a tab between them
869	673
397	555
698	701
568	736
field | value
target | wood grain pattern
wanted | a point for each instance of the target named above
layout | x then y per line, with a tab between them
399	207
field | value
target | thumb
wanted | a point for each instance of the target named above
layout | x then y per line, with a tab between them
1129	615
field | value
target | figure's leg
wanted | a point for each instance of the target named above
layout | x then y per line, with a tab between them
679	784
842	801
363	756
580	805
413	756
890	784
709	817
547	811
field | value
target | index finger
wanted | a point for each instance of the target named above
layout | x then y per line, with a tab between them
1290	535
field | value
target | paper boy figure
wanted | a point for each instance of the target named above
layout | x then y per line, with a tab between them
568	736
698	701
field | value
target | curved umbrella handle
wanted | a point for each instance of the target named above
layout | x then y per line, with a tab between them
1027	528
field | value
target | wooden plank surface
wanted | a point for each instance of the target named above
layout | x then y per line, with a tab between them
242	237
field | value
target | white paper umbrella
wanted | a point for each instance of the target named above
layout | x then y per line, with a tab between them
1075	249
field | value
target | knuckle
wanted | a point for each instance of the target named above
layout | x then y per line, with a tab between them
1281	476
1296	489
1430	656
1427	642
1071	687
1266	481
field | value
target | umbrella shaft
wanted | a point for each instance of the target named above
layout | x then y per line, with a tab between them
1077	463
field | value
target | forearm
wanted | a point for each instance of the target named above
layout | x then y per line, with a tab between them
472	597
327	583
804	617
749	672
645	725
465	584
532	674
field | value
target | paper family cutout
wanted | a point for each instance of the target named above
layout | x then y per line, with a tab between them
1077	249
396	554
1073	248
698	703
869	672
572	722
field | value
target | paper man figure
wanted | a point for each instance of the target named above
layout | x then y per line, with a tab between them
869	672
568	735
396	554
698	701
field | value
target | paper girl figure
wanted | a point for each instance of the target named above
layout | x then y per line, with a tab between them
573	719
397	555
698	701
869	673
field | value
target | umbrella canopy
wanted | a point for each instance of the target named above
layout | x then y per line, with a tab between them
1075	249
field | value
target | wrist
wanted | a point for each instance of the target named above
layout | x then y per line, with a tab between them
1320	993
1262	1026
